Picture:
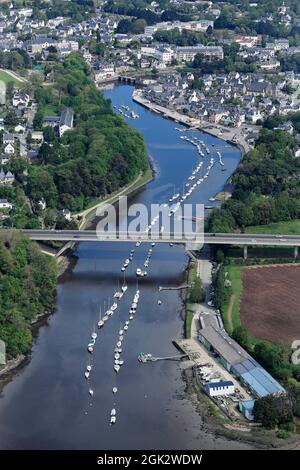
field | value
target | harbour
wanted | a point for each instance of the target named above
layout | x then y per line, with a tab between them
49	402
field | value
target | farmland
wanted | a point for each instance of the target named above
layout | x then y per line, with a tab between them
270	302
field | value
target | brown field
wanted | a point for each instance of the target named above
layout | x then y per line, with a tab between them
270	303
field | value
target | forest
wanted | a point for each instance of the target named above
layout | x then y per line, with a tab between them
102	152
27	289
265	186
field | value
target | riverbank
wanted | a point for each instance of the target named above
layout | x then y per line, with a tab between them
86	217
232	136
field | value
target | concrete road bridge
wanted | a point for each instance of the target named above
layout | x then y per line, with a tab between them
238	239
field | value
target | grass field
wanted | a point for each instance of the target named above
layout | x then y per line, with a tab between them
49	110
5	77
231	310
291	227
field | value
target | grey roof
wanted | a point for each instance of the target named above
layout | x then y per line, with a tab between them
66	117
222	343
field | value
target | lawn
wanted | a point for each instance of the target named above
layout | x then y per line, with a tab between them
5	77
49	110
188	321
231	309
291	227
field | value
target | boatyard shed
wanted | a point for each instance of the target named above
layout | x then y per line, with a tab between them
219	389
256	379
216	340
238	362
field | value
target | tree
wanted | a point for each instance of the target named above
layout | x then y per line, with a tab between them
241	336
273	410
196	292
9	90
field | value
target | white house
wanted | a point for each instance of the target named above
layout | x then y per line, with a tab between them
219	389
297	152
42	204
9	149
4	204
65	213
20	129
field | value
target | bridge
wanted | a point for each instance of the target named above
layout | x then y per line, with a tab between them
239	239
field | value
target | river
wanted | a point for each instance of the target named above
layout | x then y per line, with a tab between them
46	404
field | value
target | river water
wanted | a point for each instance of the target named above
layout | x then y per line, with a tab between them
46	405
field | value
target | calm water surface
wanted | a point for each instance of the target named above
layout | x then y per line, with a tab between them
47	405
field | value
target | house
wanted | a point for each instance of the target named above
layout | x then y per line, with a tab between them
4	204
219	389
20	99
65	213
8	138
37	136
6	178
20	129
297	152
51	121
42	204
66	121
9	149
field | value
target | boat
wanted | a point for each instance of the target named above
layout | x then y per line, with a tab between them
127	322
119	344
159	302
125	327
138	272
138	243
121	362
121	332
89	367
91	391
123	269
86	374
117	355
131	317
124	288
114	306
114	390
117	367
113	419
94	335
121	337
105	318
100	323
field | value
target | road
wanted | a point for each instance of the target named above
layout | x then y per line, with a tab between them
209	238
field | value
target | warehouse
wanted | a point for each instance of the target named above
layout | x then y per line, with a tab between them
238	362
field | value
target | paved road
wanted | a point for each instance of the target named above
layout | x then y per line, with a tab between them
209	238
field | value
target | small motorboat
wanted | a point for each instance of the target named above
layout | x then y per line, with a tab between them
126	327
159	302
94	335
90	349
121	332
117	367
91	392
113	419
114	306
121	362
119	344
131	317
117	355
121	337
124	288
89	367
114	390
86	374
